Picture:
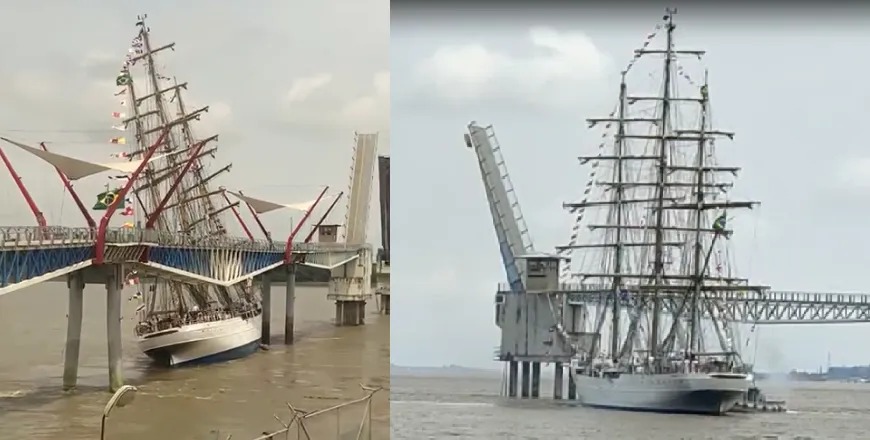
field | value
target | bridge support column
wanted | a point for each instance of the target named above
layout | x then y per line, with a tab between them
512	378
536	380
385	303
76	284
572	388
113	326
557	383
524	382
350	313
289	304
266	294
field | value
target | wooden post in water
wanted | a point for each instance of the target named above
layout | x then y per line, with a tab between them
76	284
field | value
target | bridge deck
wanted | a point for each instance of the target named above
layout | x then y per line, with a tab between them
765	307
56	236
31	255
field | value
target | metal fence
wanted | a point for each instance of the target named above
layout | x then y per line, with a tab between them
350	420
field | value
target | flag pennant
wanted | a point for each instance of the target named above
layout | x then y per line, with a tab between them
118	140
105	199
128	211
120	176
119	115
120	127
121	155
123	78
720	223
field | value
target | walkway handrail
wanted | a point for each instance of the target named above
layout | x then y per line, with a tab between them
65	235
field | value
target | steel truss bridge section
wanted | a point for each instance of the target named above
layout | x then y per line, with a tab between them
765	307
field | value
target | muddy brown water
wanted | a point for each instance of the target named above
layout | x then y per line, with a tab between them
241	397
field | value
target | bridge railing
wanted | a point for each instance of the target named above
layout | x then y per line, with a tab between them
590	293
22	236
17	236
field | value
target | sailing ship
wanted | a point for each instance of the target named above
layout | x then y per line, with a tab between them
179	323
654	261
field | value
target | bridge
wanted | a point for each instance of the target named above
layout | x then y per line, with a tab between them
748	307
382	272
100	254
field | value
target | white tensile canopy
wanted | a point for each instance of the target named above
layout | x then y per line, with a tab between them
261	206
75	169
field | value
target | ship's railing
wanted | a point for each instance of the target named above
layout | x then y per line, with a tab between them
29	236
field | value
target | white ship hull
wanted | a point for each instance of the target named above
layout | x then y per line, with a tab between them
205	342
690	393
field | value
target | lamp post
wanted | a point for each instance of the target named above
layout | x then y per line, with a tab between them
122	397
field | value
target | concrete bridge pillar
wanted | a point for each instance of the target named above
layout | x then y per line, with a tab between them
113	326
524	383
289	305
266	294
536	380
572	388
76	284
512	378
557	383
350	313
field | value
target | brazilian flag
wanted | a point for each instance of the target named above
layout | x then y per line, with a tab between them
106	198
123	78
720	224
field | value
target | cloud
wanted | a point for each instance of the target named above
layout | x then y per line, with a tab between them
855	173
371	112
302	88
560	68
344	106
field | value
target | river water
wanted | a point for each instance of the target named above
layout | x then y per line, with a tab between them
323	368
470	408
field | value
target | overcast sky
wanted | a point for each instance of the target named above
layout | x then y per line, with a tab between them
792	86
287	83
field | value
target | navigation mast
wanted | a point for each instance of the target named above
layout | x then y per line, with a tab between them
658	262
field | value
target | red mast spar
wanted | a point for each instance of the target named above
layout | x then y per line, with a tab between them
288	249
257	219
40	218
238	216
104	222
72	192
322	218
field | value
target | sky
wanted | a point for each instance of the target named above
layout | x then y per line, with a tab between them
791	85
287	86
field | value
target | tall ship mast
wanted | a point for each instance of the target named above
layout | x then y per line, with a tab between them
656	248
179	323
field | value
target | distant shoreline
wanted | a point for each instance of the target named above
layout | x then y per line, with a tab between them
443	371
